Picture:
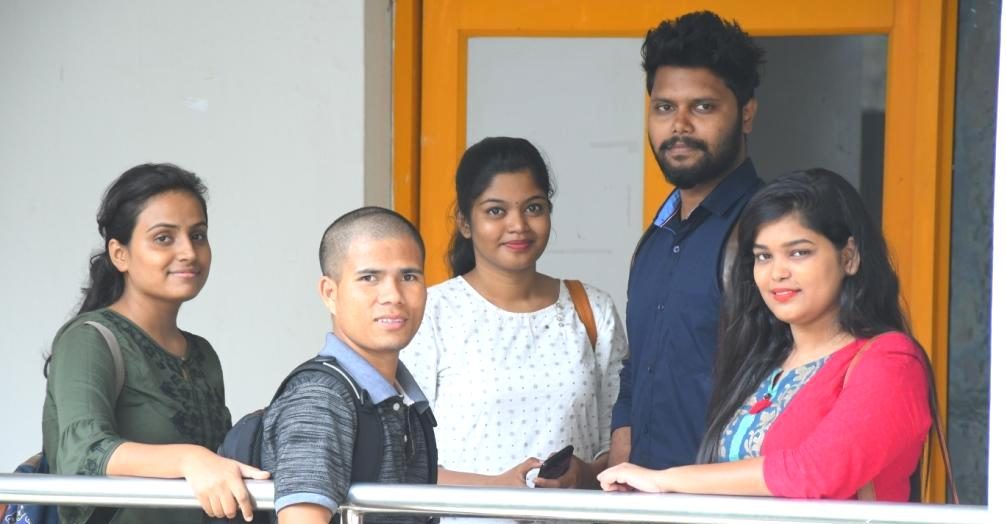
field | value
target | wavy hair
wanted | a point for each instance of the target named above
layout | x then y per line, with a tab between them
703	39
752	341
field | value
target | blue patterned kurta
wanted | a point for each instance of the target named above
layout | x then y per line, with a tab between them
743	436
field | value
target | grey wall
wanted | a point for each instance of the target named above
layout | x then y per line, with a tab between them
808	115
265	100
971	244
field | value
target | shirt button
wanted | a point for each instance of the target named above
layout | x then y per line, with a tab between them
396	406
676	249
660	307
650	369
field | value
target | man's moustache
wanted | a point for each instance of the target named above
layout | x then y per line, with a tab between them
688	141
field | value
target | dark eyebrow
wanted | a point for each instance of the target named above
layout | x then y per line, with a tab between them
697	100
791	243
164	225
501	201
174	226
371	271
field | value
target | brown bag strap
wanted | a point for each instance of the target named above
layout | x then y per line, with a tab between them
583	310
868	492
941	437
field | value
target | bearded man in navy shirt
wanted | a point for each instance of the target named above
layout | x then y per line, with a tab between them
701	73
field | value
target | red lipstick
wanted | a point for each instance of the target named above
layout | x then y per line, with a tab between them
783	294
518	245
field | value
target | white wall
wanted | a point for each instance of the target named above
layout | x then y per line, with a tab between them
589	128
263	99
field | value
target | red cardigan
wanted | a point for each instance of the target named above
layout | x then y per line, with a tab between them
830	441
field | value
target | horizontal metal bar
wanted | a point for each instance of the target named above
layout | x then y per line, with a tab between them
641	507
500	503
119	492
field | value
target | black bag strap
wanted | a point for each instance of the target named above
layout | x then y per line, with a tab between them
428	422
368	447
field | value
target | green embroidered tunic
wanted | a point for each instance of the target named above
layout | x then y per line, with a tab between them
165	400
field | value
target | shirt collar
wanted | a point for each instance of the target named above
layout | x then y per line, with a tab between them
368	378
722	198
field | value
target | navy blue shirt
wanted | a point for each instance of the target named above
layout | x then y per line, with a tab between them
672	318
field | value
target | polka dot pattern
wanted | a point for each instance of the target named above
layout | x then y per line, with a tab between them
505	386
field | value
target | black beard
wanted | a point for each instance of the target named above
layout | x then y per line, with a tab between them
708	167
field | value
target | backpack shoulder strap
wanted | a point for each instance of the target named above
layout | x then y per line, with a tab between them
583	310
319	364
368	447
115	350
428	422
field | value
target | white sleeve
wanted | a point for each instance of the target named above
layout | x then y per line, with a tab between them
422	355
612	348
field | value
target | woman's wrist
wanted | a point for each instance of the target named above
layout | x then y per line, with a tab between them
669	480
191	457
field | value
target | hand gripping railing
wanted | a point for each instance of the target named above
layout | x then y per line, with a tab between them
371	499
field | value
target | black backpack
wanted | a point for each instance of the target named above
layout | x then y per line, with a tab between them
243	442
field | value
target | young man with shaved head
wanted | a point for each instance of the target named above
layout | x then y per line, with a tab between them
372	285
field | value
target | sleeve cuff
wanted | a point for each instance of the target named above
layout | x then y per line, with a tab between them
619	417
307	498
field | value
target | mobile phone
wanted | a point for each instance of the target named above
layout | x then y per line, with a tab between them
557	464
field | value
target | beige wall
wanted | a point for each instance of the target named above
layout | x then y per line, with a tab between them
266	100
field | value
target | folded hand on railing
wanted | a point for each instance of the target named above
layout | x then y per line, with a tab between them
629	477
219	484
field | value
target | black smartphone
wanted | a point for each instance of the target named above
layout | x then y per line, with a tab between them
557	464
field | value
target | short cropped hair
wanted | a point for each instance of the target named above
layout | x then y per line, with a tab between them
704	40
371	221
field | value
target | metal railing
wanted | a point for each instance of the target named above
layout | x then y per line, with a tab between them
372	499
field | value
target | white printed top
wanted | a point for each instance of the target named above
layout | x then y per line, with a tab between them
505	386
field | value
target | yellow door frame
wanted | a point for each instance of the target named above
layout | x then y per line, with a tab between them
918	134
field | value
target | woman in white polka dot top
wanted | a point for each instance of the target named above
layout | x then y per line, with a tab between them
501	352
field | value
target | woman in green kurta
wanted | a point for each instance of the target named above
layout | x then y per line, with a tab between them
170	413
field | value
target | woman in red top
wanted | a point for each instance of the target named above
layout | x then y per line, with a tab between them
820	389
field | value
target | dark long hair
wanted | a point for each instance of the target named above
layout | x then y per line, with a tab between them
478	167
122	203
120	206
752	341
